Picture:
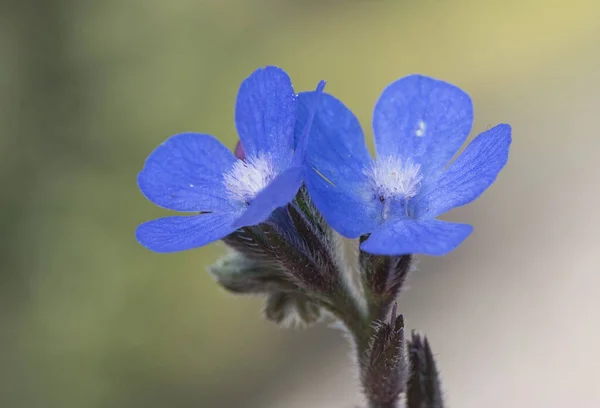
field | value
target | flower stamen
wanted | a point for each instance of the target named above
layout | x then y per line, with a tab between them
391	178
248	177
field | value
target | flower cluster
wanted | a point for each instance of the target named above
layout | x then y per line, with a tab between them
300	179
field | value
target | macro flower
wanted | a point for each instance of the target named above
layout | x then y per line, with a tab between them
419	124
195	173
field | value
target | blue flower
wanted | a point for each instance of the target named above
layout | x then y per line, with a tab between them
193	172
419	124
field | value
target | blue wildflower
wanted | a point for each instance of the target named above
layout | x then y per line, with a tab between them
193	172
419	124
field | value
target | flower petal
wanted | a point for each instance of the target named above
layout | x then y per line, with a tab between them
429	237
284	187
185	173
469	176
173	234
278	193
336	158
423	118
305	121
265	113
346	208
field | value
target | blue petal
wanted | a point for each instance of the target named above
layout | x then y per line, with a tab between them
347	208
265	113
278	193
469	176
423	118
336	158
173	234
185	173
309	110
429	237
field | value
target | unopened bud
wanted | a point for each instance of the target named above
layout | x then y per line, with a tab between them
239	151
385	368
424	386
239	274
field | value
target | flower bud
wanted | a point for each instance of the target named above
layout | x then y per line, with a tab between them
239	151
385	369
424	386
239	274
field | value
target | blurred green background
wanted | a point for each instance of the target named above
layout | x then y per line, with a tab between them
89	318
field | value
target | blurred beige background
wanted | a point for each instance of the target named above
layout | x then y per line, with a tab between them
89	318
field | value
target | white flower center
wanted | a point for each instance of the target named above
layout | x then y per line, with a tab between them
248	177
391	178
420	132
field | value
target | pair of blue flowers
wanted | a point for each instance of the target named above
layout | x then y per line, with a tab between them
288	139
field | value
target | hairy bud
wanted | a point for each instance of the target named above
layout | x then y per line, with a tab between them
424	386
240	274
385	367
